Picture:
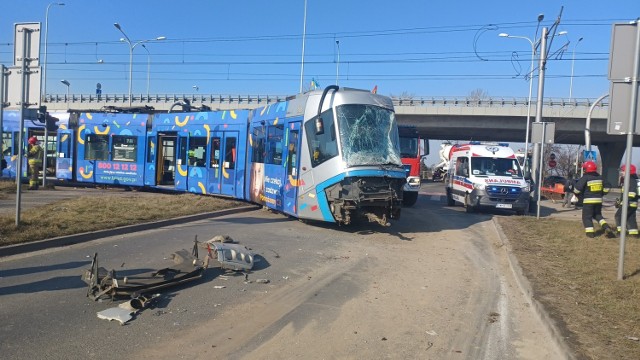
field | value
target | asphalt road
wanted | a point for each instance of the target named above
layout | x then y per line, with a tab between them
436	284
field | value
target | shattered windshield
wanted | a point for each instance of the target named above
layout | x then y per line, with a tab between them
486	166
368	135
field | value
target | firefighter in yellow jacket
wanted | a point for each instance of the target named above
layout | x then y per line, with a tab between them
590	189
35	162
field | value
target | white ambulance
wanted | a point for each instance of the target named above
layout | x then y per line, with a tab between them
486	176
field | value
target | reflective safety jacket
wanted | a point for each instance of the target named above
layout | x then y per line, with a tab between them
634	191
590	188
35	155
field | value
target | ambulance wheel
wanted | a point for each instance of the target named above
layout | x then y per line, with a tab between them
409	198
450	201
467	204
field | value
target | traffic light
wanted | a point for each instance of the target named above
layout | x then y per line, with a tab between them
51	123
42	114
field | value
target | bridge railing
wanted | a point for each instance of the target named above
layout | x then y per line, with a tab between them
257	100
493	102
163	98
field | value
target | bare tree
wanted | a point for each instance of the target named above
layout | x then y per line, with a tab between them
478	94
565	159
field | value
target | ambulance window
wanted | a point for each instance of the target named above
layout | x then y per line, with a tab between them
462	166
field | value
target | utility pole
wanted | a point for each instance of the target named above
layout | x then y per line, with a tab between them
536	169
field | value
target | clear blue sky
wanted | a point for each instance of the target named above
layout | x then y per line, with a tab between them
419	48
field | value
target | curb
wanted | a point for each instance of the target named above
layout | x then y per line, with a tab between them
525	287
94	235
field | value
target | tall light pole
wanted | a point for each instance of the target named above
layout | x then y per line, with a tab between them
533	53
46	36
573	60
148	67
338	63
68	85
304	35
131	47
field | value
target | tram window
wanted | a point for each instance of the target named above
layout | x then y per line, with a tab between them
182	147
292	163
197	151
230	152
215	152
258	151
6	144
150	147
274	145
324	146
64	149
96	147
124	148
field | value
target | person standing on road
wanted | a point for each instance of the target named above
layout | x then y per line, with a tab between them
590	189
34	157
568	191
632	223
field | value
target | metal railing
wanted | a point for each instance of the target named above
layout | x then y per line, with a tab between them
257	100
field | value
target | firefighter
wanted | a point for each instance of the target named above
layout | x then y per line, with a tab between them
35	162
590	189
632	224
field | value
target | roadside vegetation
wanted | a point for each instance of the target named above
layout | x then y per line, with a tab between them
575	278
85	213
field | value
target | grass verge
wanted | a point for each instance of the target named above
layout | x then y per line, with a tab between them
575	278
87	213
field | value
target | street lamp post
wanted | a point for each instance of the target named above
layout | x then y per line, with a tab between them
533	53
573	60
338	63
131	47
46	36
148	68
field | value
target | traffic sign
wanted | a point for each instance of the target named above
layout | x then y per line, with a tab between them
552	163
589	155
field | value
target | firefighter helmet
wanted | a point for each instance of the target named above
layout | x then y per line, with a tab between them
33	140
633	168
589	166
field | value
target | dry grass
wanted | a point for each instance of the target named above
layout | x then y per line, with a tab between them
575	278
85	213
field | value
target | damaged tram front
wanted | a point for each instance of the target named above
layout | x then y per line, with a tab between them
354	164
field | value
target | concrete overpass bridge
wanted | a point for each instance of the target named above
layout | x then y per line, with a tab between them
439	118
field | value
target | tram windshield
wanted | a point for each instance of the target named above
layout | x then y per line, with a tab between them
368	135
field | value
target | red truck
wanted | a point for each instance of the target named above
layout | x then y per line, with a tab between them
413	149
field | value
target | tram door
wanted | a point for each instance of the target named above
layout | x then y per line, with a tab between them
65	150
182	164
223	162
292	166
166	159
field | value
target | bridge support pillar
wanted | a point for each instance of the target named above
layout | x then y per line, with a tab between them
611	154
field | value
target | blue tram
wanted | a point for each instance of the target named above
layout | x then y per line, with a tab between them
10	137
329	155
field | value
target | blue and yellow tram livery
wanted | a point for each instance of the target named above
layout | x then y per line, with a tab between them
203	152
329	155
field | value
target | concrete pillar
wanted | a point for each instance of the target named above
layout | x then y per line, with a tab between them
611	154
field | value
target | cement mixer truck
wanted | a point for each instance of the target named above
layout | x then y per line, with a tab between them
442	168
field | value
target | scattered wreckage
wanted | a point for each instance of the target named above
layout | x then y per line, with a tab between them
187	267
